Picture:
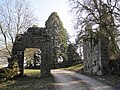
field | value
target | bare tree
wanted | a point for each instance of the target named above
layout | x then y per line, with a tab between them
99	13
15	17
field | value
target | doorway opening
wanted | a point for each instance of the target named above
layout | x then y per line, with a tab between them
32	62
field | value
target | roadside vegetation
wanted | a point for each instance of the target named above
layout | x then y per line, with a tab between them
32	72
31	81
76	67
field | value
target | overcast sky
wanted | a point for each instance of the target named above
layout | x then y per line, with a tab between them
43	9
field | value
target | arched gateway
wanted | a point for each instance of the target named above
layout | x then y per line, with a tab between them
34	38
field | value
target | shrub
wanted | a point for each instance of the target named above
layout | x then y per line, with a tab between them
8	73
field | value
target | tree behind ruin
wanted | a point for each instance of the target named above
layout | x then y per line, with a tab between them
15	18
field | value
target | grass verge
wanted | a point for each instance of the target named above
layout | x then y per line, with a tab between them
32	81
29	82
77	67
32	72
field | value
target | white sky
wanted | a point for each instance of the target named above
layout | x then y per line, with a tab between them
43	9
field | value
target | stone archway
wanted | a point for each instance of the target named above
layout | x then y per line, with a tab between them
34	38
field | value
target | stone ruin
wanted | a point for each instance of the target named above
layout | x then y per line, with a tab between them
96	54
35	37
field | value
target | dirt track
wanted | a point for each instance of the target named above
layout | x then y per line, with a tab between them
68	80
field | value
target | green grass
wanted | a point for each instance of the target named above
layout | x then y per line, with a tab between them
1	67
29	82
75	67
32	72
32	81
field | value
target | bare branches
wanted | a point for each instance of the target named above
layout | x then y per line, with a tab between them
15	17
5	39
93	11
103	14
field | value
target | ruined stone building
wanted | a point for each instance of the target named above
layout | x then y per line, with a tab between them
35	37
96	54
96	48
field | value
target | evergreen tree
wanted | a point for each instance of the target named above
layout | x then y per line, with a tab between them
59	37
72	54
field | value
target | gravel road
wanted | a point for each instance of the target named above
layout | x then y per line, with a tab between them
69	80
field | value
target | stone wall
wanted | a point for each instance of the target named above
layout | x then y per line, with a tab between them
35	37
92	58
96	57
